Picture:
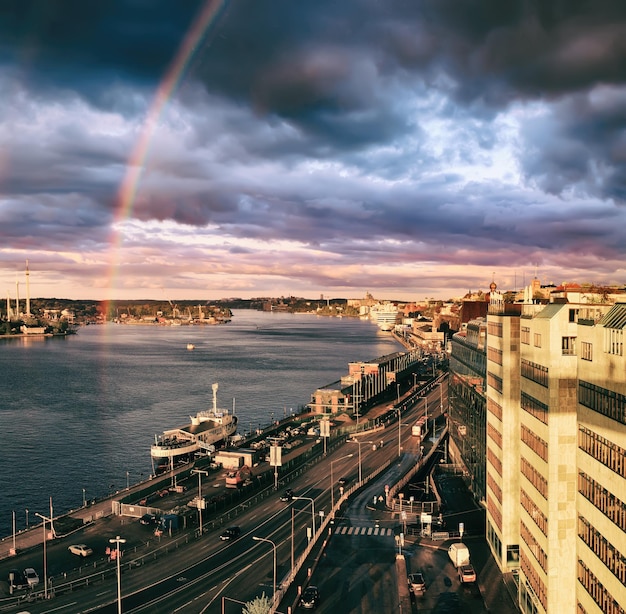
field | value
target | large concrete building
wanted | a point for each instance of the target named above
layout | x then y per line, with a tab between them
538	421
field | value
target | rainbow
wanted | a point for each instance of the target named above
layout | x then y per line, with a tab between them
127	193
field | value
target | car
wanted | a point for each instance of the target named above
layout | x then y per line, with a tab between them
149	519
417	584
287	495
310	598
343	481
32	578
80	550
467	574
230	533
16	579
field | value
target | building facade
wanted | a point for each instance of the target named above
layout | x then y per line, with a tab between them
554	454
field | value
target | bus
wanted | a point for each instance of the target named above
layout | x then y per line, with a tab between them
419	428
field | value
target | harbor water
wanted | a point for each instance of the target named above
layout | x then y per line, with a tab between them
78	414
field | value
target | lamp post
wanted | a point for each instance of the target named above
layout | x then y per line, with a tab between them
426	411
128	480
332	483
398	391
312	508
200	472
117	541
45	559
399	432
27	518
84	499
359	443
269	541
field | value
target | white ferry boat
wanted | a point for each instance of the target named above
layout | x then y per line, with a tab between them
386	315
182	444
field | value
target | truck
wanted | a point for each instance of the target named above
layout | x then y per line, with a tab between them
419	428
459	554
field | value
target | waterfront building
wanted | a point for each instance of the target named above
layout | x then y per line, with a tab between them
552	378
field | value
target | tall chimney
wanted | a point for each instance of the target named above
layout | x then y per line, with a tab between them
27	291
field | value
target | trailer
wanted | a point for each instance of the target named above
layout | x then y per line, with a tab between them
459	554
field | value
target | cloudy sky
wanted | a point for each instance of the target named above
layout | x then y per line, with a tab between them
409	148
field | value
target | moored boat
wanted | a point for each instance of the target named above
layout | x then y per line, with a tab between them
206	430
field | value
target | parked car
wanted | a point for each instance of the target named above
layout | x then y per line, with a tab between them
149	519
287	495
417	584
310	598
32	578
467	574
17	579
80	550
230	533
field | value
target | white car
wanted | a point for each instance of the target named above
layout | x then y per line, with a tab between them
80	550
31	577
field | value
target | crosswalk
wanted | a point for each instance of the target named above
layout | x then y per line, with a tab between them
364	531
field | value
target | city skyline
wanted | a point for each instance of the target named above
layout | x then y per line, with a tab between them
245	149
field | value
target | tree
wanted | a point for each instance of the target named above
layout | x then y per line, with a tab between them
259	605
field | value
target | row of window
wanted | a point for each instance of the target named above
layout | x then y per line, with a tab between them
534	512
610	505
494	328
534	407
614	560
535	478
535	582
614	341
606	402
524	335
494	408
495	355
494	381
533	371
535	443
533	545
495	487
603	450
494	460
495	435
495	513
598	593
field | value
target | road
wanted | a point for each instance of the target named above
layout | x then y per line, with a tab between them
205	574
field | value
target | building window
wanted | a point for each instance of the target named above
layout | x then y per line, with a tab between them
597	591
610	505
614	560
573	315
603	450
606	402
494	381
536	373
534	407
535	478
586	351
495	355
525	335
614	341
568	346
535	443
537	340
494	328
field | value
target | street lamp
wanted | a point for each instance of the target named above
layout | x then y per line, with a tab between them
312	508
128	480
200	501
332	483
359	443
398	390
117	541
45	559
426	411
269	541
399	432
84	499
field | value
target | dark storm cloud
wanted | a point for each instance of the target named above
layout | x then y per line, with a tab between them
354	128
